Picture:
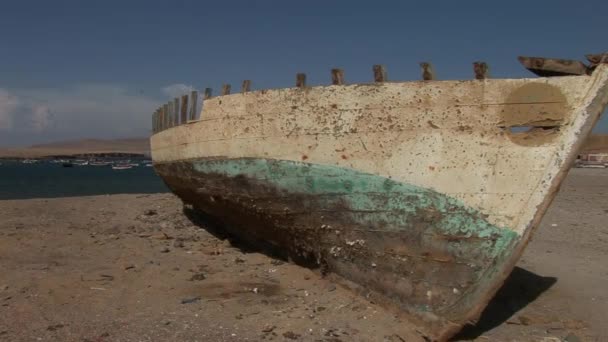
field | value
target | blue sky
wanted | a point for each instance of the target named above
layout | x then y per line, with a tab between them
73	69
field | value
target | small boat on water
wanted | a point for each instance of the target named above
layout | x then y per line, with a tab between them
29	161
99	163
122	167
423	194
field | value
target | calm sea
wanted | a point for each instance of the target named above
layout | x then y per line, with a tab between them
45	179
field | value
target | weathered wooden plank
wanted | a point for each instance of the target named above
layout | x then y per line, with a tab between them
547	67
155	122
184	109
597	58
166	116
428	74
208	94
161	122
170	118
337	76
380	74
176	111
246	86
481	70
194	97
300	80
226	89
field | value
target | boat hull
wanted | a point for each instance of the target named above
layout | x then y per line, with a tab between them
424	193
422	249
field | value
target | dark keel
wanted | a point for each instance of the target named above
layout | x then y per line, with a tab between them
397	243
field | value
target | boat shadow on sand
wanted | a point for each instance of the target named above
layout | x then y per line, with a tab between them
521	288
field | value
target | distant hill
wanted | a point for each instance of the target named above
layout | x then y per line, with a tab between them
597	143
83	146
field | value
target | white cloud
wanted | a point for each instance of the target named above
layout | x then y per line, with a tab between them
177	90
42	118
86	110
8	106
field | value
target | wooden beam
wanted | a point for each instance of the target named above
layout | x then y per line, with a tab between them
171	114
300	80
153	122
194	97
184	109
207	94
380	74
176	111
246	86
481	70
597	58
165	116
428	74
547	67
337	76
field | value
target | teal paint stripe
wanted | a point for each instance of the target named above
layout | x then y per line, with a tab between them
395	201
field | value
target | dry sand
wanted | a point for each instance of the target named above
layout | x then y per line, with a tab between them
137	268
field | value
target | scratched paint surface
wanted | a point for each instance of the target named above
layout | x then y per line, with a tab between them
360	190
423	250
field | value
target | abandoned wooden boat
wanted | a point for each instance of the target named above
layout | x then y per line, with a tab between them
423	193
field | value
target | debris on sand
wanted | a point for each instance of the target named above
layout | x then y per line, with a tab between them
291	335
268	328
150	212
197	277
190	300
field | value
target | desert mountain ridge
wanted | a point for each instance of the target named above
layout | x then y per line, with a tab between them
597	143
81	146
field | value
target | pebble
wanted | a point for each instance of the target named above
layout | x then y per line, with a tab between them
165	250
268	328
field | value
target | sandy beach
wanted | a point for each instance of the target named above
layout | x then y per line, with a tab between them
143	268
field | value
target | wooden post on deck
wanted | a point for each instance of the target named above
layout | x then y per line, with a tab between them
481	70
176	111
154	121
246	86
300	80
184	109
225	89
171	119
160	119
337	76
165	116
428	74
194	97
380	74
207	94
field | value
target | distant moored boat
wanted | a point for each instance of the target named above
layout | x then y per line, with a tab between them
122	167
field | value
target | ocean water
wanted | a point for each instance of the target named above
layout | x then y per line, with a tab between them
45	179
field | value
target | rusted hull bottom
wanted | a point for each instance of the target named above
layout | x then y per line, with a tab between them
426	252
